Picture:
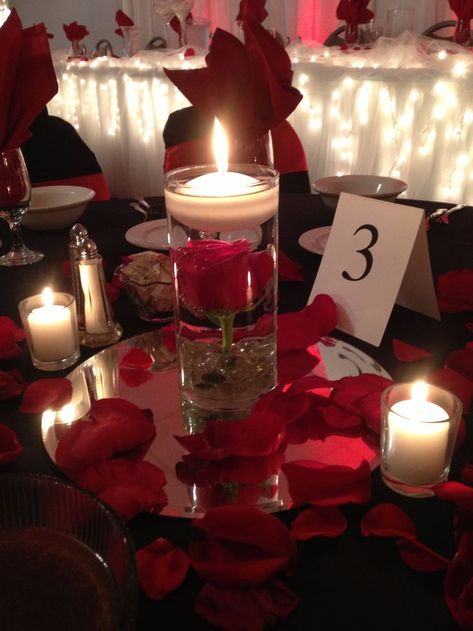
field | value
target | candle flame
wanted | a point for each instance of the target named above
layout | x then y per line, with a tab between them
47	296
419	391
220	147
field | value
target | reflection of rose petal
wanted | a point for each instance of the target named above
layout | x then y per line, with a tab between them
46	394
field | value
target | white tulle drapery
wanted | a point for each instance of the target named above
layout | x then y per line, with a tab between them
403	108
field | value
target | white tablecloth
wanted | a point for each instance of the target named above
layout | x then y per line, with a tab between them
404	109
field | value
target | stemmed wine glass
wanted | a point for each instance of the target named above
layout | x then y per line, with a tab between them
181	8
166	12
15	195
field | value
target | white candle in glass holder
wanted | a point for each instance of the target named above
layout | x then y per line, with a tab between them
416	452
222	200
52	330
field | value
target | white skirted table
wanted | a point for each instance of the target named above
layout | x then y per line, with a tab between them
403	108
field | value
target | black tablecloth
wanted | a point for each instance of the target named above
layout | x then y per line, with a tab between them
348	583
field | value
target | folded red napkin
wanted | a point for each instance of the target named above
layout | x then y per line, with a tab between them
27	79
354	11
247	86
252	10
74	31
122	19
463	9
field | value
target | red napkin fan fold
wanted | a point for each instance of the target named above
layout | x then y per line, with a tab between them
247	86
354	11
75	31
463	9
252	10
122	19
27	79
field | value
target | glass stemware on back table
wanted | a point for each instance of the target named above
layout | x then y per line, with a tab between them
164	10
15	196
181	9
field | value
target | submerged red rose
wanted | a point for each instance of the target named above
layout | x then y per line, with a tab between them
221	276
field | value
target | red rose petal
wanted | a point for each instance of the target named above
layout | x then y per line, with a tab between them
419	557
467	474
459	583
301	329
325	485
335	417
44	394
455	291
407	352
320	521
451	380
8	324
116	428
295	364
289	269
258	435
456	492
388	520
244	547
462	362
161	567
12	384
129	487
261	607
113	292
134	378
10	448
8	346
189	52
66	268
135	358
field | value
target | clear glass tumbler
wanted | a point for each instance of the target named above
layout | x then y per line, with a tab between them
223	246
419	425
67	560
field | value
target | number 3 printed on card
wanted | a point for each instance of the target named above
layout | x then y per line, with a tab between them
365	252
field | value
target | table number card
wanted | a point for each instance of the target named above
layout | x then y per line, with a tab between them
376	255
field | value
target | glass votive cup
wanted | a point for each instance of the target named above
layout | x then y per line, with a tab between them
419	425
51	330
66	557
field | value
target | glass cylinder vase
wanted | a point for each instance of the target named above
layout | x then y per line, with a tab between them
223	247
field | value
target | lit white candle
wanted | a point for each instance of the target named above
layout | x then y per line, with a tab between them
416	452
52	332
222	200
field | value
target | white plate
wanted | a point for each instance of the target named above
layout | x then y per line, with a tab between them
315	240
151	235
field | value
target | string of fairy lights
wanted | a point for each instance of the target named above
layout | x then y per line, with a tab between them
358	115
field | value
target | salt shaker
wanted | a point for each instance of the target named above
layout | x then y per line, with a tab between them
77	235
100	329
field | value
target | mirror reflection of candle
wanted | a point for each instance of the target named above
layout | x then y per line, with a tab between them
418	438
51	329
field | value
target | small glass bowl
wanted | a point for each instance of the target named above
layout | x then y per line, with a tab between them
54	535
154	300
